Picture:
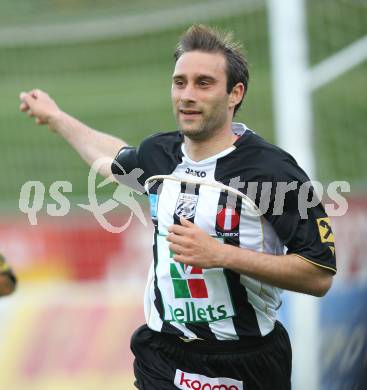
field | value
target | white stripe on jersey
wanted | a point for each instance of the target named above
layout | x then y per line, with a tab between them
228	219
209	199
265	299
224	329
251	227
167	204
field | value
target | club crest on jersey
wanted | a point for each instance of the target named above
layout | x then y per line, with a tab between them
227	221
186	205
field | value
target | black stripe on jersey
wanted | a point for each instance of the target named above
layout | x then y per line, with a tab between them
158	297
201	329
245	320
228	201
156	189
176	218
158	302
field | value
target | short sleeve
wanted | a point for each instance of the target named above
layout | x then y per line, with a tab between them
126	160
305	233
158	154
127	168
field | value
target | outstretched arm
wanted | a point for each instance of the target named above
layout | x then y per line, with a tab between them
193	246
89	143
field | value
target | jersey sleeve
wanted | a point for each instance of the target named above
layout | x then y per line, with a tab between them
305	231
129	169
157	154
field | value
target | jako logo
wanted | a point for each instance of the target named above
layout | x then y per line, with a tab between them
184	380
196	173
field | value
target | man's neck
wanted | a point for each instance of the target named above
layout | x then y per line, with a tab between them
200	150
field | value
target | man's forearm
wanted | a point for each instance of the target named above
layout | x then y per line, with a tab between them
288	272
89	143
192	246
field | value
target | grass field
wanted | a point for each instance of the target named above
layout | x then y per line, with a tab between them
122	86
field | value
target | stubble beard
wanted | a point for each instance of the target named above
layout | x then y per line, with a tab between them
208	126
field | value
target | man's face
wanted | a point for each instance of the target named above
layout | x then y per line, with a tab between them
199	96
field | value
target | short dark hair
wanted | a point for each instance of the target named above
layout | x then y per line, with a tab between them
210	40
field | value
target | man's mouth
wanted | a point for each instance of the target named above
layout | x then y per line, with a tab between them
189	112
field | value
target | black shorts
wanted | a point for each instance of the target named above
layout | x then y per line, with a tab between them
165	362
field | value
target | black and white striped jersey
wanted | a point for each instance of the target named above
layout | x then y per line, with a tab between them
218	195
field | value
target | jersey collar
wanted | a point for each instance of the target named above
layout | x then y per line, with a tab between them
238	129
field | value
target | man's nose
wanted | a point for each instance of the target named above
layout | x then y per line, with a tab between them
189	93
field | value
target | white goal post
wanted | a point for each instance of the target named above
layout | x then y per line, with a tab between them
294	81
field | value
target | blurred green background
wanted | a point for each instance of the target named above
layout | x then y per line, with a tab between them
121	84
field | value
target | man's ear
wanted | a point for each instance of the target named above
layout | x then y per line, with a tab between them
236	95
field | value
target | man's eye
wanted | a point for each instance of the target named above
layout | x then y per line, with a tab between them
179	83
203	83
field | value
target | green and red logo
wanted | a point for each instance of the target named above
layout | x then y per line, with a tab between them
188	281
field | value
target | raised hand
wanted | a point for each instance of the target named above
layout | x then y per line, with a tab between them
38	104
